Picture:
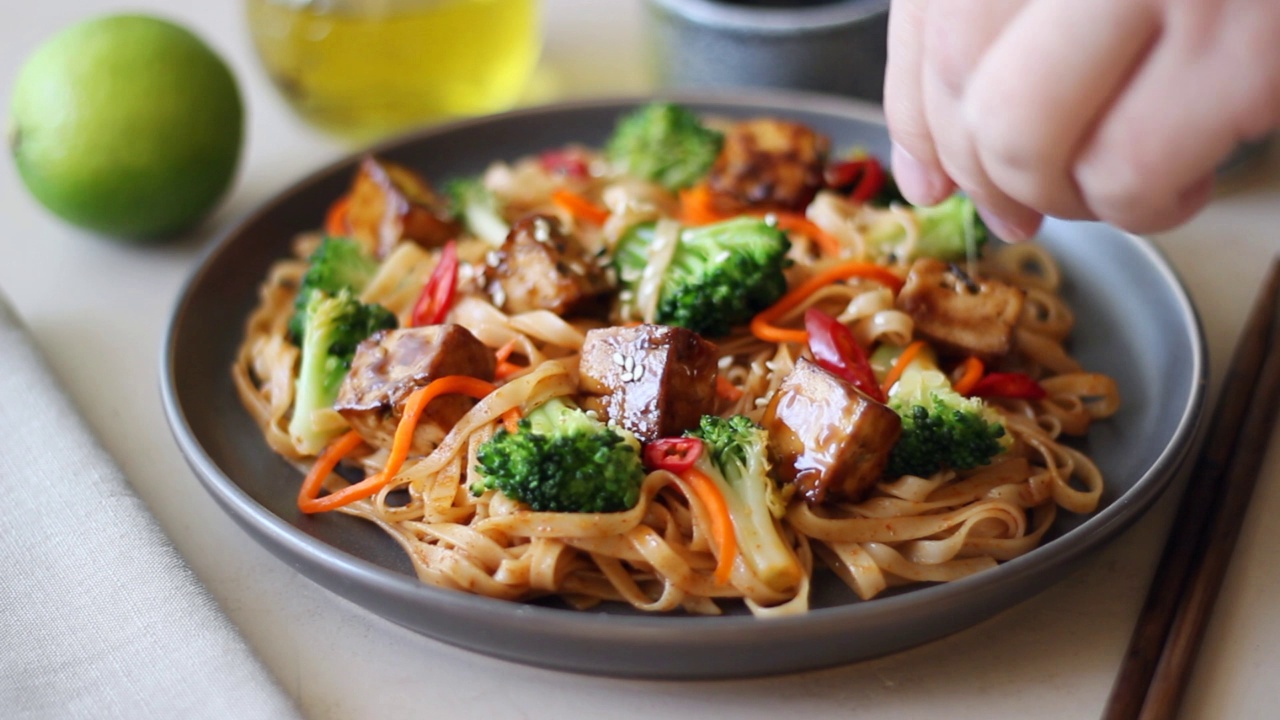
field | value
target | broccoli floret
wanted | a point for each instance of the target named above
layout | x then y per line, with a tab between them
720	275
477	207
664	143
562	459
336	264
940	427
948	231
737	460
335	325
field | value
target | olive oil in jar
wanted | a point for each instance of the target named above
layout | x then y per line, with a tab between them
365	68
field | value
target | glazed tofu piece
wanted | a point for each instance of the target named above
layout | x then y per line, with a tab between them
960	314
827	438
391	364
654	380
769	164
541	267
389	203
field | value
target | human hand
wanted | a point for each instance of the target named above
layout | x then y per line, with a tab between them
1083	109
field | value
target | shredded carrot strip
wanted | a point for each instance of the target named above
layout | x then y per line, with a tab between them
762	325
504	352
795	222
721	523
579	207
324	465
414	405
726	389
417	402
895	372
347	495
696	207
767	331
970	373
506	368
335	221
511	420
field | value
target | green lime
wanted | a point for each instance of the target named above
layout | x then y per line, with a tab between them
127	125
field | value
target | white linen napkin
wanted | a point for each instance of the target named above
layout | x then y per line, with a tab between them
100	617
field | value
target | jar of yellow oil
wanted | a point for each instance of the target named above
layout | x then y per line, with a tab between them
366	68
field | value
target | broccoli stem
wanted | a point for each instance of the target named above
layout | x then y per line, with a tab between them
334	326
737	462
759	541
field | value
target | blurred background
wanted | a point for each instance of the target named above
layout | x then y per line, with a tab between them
321	77
365	68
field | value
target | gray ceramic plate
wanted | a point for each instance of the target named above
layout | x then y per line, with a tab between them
1135	323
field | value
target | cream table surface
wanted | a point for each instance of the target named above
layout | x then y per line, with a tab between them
98	310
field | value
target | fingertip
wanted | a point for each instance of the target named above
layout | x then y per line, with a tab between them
1012	228
1193	199
919	183
1142	214
1189	203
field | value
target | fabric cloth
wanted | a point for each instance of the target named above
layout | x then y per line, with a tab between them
100	617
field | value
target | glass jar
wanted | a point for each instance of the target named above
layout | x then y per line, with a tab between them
366	68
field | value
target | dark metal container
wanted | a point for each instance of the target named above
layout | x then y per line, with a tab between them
831	46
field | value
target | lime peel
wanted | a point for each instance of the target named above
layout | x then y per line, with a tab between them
128	125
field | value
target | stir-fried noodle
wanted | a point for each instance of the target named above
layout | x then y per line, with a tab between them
662	554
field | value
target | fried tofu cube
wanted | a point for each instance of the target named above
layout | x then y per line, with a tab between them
391	364
826	437
389	203
541	267
769	164
654	380
960	314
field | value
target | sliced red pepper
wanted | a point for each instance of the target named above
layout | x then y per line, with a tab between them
569	162
865	175
842	174
1008	385
433	304
674	454
835	349
870	184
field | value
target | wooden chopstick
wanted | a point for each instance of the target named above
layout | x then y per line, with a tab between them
1165	640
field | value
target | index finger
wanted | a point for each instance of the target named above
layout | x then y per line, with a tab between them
915	162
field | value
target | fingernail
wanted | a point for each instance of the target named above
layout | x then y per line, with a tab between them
919	184
1006	230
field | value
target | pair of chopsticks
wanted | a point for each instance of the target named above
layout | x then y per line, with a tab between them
1163	647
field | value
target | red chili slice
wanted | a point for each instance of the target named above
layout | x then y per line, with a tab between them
865	176
565	161
1009	385
870	184
433	304
835	349
674	454
842	174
